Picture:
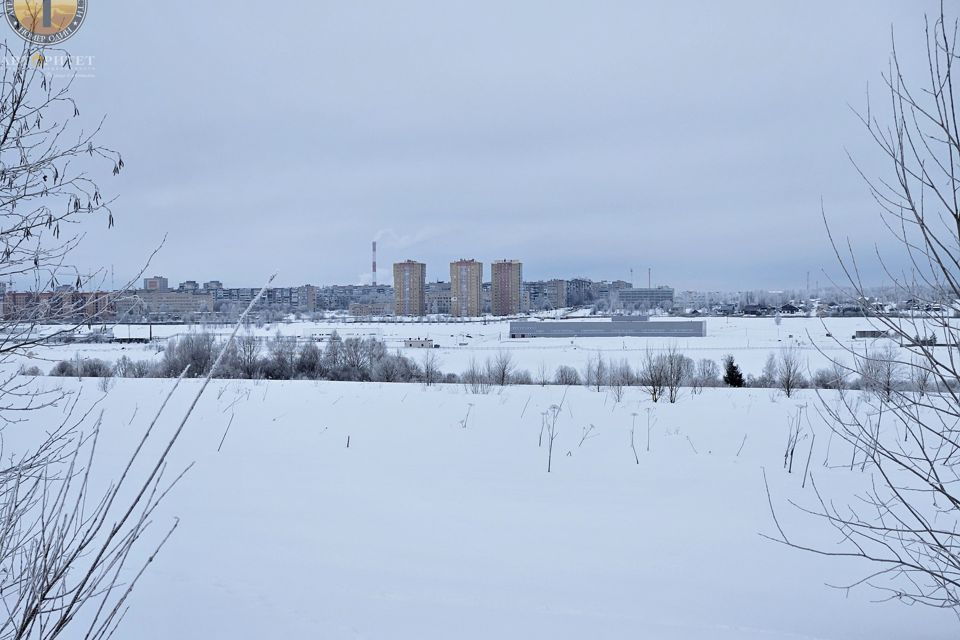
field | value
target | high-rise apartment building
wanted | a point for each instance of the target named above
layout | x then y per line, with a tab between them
579	292
506	279
156	283
409	288
438	298
466	281
550	294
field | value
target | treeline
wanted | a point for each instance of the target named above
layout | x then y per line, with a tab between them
279	358
661	374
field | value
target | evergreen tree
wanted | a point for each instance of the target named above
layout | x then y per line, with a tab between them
732	376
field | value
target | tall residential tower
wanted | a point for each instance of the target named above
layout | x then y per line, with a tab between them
506	280
409	288
466	281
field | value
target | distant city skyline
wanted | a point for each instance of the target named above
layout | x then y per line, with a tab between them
696	138
433	273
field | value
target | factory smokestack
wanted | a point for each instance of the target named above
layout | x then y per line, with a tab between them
374	263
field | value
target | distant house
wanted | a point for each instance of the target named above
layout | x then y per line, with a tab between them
789	308
849	310
418	343
756	310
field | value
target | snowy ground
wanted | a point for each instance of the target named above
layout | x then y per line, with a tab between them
440	520
750	340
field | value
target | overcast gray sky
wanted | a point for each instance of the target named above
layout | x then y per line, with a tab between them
584	138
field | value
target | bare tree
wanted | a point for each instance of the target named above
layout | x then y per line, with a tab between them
543	375
768	376
68	550
358	356
521	377
906	521
880	371
589	372
566	376
678	369
789	373
920	377
840	374
595	372
475	379
309	363
827	378
333	357
665	373
49	171
386	369
194	350
63	549
602	372
652	375
707	375
500	369
621	376
248	355
431	369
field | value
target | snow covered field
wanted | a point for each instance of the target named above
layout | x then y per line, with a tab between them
441	521
750	340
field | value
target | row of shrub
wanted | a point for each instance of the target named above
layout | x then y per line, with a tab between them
661	373
279	358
